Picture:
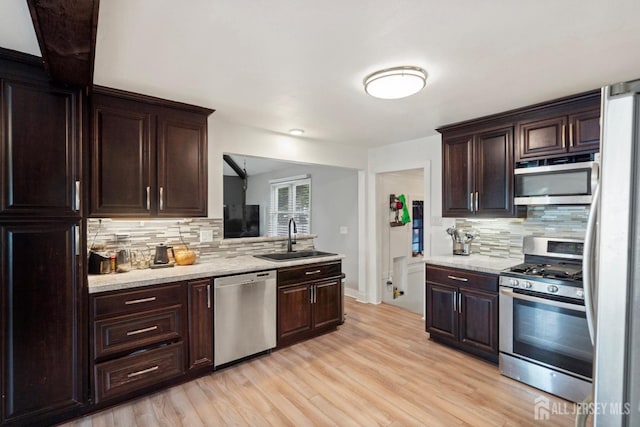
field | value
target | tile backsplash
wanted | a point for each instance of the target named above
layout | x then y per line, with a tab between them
111	235
502	238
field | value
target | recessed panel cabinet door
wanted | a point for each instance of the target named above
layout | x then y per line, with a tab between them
326	303
42	346
494	173
182	165
457	183
121	160
294	311
39	149
584	131
200	323
442	317
478	325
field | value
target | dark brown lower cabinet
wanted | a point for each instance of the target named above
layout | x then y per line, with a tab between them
42	342
200	324
138	338
462	310
309	301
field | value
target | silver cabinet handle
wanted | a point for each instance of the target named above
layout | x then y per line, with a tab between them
312	272
311	295
471	202
77	201
455	302
315	294
209	296
459	302
477	201
564	142
142	331
161	199
142	372
139	301
570	134
459	279
148	198
76	233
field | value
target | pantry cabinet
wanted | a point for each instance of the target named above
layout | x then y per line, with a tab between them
43	325
309	301
462	310
148	156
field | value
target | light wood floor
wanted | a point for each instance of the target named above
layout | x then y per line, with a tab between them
379	368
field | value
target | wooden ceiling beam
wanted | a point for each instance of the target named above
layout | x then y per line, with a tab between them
66	32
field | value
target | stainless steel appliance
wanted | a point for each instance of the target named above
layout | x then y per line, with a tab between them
244	315
544	336
612	262
562	184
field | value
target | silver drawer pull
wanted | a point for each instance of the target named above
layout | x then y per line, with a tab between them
312	272
142	372
459	279
141	300
142	331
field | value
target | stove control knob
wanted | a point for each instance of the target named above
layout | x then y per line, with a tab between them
526	285
514	282
552	288
580	294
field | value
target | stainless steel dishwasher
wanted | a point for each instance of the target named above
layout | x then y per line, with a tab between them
244	315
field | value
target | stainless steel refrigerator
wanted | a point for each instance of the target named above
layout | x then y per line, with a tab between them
612	262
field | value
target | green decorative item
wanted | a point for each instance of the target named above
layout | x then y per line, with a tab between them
405	212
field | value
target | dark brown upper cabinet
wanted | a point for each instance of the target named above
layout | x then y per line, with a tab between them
148	157
478	174
40	149
572	128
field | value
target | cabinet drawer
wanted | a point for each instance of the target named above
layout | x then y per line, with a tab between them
309	272
138	300
462	278
133	331
127	374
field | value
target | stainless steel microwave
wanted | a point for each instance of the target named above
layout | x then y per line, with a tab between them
564	184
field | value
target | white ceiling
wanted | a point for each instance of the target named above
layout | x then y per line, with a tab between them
283	64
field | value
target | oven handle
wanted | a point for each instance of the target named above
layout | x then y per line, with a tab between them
568	306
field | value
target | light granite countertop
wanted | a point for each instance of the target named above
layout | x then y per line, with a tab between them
219	267
482	263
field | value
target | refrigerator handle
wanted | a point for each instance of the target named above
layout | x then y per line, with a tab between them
588	267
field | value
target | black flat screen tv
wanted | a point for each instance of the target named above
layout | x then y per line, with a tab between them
233	224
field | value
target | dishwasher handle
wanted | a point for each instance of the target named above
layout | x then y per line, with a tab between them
244	279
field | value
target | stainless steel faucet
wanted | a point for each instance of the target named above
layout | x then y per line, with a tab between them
290	241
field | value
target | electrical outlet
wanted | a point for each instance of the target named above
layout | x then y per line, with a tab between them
206	236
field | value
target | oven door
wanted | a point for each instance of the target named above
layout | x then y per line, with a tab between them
545	331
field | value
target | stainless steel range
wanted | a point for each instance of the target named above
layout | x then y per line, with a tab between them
544	337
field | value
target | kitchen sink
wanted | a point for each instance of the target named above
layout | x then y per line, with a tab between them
287	256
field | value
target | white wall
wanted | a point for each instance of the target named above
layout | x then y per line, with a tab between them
423	153
226	137
334	204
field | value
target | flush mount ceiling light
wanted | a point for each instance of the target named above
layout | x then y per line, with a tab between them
396	82
296	132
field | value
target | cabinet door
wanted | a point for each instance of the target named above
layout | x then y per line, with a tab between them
478	313
182	164
39	149
122	159
294	312
542	138
200	324
442	317
584	131
494	173
326	304
457	182
43	349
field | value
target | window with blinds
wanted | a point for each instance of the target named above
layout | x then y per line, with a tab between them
290	198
